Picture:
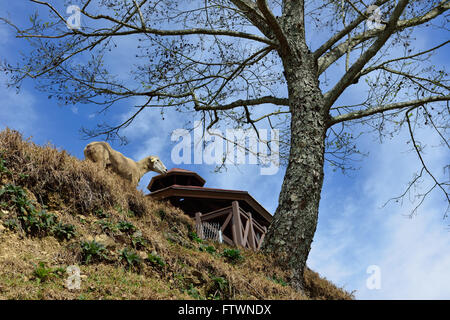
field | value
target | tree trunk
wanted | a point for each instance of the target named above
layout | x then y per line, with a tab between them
294	224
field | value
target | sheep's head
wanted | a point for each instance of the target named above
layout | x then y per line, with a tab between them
155	164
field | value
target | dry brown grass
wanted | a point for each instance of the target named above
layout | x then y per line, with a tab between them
81	195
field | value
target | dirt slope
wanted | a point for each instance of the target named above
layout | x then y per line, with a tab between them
57	211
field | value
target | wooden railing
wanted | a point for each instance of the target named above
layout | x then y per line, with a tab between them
246	232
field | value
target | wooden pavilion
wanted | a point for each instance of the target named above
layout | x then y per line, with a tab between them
242	220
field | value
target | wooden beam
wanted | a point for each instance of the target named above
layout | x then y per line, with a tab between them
237	224
216	214
227	220
251	235
262	238
198	224
227	240
245	238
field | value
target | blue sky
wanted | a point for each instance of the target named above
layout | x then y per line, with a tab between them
354	232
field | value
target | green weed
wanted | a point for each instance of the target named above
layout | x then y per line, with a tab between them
107	226
194	293
101	214
233	255
126	227
154	259
194	237
210	249
161	213
93	251
43	273
138	241
279	280
132	259
218	290
3	168
64	231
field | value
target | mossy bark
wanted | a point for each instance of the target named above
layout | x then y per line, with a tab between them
294	224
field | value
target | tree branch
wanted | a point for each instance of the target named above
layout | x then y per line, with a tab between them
347	79
370	69
399	105
338	36
249	102
334	54
141	17
413	77
416	148
145	30
250	11
274	25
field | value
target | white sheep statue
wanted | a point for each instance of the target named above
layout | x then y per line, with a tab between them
100	152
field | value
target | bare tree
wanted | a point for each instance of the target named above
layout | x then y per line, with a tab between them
228	60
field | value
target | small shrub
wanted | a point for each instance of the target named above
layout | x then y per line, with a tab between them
132	259
3	168
32	221
93	251
38	223
101	214
126	227
11	224
194	237
233	255
210	249
107	226
64	231
154	259
279	280
219	287
42	273
138	241
221	282
17	198
194	293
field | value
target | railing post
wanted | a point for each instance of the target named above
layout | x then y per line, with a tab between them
237	224
198	224
251	233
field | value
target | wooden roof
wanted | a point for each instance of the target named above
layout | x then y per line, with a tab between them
175	176
212	193
178	184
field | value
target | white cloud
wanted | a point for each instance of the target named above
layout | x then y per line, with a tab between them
4	35
17	111
74	109
356	232
416	261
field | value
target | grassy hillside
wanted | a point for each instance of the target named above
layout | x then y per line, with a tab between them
57	211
